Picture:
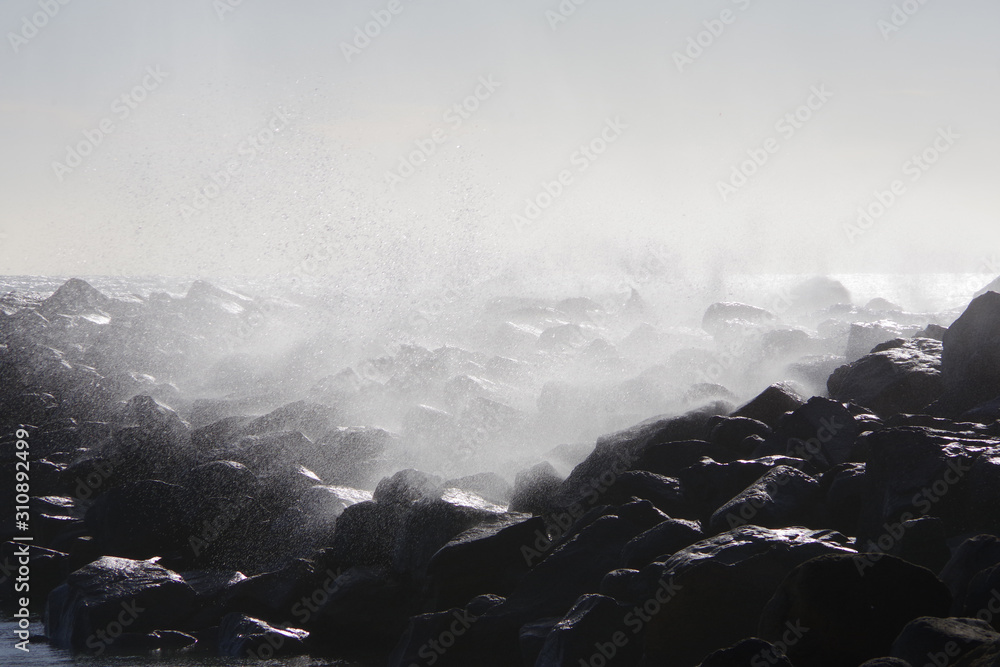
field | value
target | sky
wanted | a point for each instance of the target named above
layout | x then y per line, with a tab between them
391	140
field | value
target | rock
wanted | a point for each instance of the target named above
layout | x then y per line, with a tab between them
821	431
818	293
901	375
142	519
720	586
941	641
708	484
242	636
534	489
593	628
885	662
770	404
748	653
408	486
366	533
866	335
660	542
491	557
971	557
671	459
934	331
913	472
879	304
435	638
781	498
731	432
112	595
489	485
970	362
721	316
48	568
311	419
844	485
982	597
367	608
850	607
663	492
76	297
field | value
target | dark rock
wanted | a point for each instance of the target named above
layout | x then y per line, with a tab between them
534	489
941	641
902	375
781	498
491	557
437	638
48	569
660	542
748	653
671	459
821	431
770	404
595	627
844	486
970	363
982	597
731	432
489	485
971	557
142	519
367	608
76	297
720	587
934	331
242	636
366	533
885	662
408	486
110	595
709	484
852	606
663	492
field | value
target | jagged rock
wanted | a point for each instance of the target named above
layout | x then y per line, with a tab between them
854	606
782	497
901	375
941	641
593	628
112	595
821	431
242	636
534	489
660	542
770	404
748	653
719	588
75	297
970	362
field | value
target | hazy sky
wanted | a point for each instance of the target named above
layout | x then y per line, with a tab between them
309	118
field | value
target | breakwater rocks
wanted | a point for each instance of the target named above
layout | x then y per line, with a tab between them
859	527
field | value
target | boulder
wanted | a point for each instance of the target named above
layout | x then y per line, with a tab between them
721	316
748	653
941	641
850	608
112	595
708	484
822	431
660	542
770	404
901	375
970	362
969	558
864	336
594	628
242	636
719	587
781	498
534	489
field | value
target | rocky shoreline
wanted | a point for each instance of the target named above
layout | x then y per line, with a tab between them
857	527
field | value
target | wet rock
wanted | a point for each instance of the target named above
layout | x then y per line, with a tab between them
663	492
660	542
242	636
941	641
731	432
489	485
782	497
970	362
770	404
593	628
491	557
748	653
720	317
901	375
982	597
367	608
718	588
850	607
408	486
822	431
709	484
534	489
142	519
435	638
971	557
114	595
